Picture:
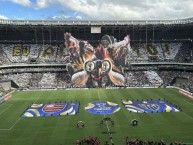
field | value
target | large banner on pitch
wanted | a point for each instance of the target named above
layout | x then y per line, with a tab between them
52	109
102	108
150	106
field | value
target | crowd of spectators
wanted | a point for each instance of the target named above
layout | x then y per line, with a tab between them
32	53
169	78
4	91
94	141
149	142
142	78
36	53
185	54
1	91
61	79
161	52
38	79
153	77
88	140
56	77
31	69
182	79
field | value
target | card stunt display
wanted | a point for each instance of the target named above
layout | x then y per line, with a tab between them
100	66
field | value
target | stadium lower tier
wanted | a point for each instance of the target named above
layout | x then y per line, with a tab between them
57	80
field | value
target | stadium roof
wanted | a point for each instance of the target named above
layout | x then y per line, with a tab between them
97	22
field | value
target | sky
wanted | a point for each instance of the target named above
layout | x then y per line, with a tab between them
95	9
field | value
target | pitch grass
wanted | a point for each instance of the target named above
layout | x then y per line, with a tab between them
62	130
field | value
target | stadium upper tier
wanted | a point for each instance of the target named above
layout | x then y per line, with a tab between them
30	41
141	52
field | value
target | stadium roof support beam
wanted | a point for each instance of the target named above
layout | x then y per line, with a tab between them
97	22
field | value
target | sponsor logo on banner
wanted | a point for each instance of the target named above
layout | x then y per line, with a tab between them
150	106
153	107
52	109
102	108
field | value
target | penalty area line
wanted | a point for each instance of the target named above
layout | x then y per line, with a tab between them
188	101
6	109
36	100
7	129
15	123
11	126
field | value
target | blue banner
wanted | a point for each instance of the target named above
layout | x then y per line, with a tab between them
150	106
53	109
102	108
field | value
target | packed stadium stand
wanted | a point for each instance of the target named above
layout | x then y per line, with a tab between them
33	54
36	53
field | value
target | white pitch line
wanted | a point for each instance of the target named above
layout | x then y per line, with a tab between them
12	125
105	117
17	119
15	123
36	100
4	129
188	102
6	109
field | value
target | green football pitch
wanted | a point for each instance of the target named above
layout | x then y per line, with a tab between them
62	130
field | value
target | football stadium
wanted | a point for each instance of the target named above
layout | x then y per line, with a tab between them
98	82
